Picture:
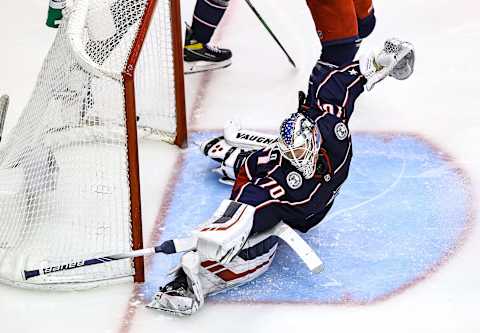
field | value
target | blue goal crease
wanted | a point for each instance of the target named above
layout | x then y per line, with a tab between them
401	212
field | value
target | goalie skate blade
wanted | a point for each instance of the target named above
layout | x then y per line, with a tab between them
226	181
204	66
318	269
154	305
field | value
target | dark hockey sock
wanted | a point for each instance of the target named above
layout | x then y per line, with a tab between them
339	54
206	16
366	25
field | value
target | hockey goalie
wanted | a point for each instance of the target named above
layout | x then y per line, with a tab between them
292	181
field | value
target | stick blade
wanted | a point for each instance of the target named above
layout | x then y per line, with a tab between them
317	266
298	244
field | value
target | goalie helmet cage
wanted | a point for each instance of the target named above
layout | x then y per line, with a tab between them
69	174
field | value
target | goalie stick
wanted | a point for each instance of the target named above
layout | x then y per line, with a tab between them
167	247
3	112
260	18
301	248
281	230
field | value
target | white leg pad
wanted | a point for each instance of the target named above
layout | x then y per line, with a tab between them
225	233
237	137
216	277
191	264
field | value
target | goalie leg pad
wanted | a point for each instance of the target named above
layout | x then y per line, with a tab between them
252	261
248	140
190	265
198	277
225	233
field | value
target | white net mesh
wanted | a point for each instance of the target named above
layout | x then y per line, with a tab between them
64	187
156	92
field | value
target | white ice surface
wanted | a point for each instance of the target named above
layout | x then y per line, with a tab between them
439	102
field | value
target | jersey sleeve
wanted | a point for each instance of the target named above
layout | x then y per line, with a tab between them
334	90
249	185
255	193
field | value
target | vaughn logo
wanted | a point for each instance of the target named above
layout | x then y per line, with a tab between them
255	138
63	267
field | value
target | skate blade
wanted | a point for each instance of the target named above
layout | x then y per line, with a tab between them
227	181
155	306
204	66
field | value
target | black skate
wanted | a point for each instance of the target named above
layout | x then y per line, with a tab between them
199	57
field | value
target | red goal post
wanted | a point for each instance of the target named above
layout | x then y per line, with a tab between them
181	122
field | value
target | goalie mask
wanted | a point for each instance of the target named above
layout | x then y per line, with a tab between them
299	143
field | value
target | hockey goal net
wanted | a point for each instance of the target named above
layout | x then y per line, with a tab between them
69	176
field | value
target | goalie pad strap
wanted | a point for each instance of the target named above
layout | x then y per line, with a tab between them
190	264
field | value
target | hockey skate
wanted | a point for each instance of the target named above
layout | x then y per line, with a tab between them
200	57
396	59
175	298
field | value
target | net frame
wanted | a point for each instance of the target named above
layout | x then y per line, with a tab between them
127	77
130	106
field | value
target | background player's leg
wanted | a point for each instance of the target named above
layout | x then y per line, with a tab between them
365	17
206	17
336	24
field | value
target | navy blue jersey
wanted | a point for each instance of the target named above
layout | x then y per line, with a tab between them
276	188
335	89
